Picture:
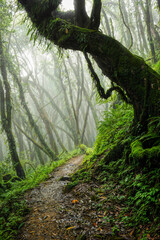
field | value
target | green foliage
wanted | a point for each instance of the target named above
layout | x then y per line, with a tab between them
86	149
157	67
127	169
114	127
5	16
154	125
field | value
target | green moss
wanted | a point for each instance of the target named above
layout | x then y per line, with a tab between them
85	149
138	153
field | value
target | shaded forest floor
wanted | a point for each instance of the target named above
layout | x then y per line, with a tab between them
57	214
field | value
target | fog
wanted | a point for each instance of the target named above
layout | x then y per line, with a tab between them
55	105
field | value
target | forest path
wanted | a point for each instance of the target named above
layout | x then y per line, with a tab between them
57	215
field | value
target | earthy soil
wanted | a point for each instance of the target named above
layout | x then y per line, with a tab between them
74	215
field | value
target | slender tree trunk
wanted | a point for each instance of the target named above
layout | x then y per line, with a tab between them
6	117
39	155
148	24
107	23
84	91
48	151
158	2
1	152
59	111
43	115
31	139
19	137
140	29
49	125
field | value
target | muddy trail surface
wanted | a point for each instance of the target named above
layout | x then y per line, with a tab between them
58	215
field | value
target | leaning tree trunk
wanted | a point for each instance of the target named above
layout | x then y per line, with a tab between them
140	82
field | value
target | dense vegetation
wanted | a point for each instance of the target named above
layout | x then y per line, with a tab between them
124	180
53	108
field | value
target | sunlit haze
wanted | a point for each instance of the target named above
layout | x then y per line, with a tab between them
67	4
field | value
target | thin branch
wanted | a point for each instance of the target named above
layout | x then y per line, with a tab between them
131	37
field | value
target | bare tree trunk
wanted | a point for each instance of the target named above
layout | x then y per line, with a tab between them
148	24
1	152
48	151
107	23
43	115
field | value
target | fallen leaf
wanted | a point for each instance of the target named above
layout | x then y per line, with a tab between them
67	31
95	224
70	228
131	233
75	201
103	197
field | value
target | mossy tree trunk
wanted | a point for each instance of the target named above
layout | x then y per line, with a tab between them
6	114
140	82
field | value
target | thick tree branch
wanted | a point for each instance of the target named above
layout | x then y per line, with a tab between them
128	71
81	17
95	15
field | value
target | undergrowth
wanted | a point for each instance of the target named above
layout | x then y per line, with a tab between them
129	181
13	207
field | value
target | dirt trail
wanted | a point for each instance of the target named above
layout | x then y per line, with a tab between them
55	215
44	203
